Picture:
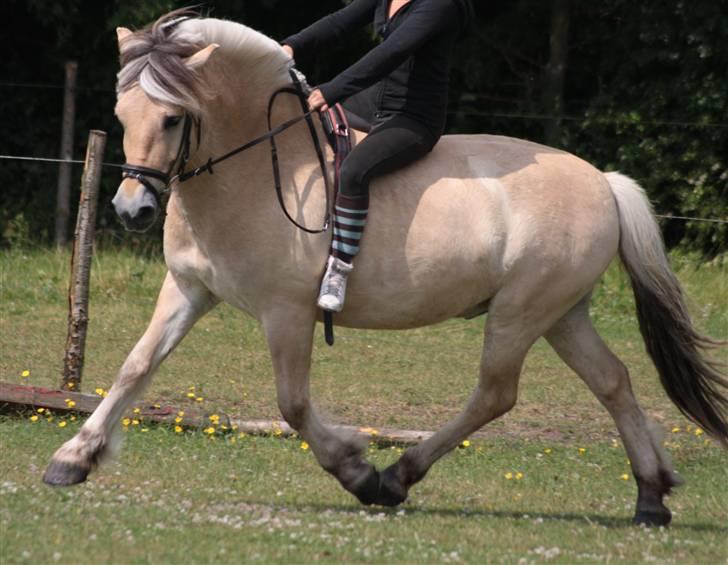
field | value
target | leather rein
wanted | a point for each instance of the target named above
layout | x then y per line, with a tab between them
143	174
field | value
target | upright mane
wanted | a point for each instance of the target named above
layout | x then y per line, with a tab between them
154	58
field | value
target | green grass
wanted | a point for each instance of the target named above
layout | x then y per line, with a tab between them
174	498
414	379
187	498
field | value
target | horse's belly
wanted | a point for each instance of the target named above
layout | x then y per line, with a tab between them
428	256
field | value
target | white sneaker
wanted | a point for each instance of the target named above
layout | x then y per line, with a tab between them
333	286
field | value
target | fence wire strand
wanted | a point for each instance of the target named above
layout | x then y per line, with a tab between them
118	166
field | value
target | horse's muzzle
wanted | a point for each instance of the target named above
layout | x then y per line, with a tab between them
137	212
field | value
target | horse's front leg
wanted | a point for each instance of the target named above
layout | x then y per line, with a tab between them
179	306
289	331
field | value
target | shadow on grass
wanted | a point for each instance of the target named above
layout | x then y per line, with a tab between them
611	522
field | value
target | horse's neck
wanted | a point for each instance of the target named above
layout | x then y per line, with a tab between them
239	198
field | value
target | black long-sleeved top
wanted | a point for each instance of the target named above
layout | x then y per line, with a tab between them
408	72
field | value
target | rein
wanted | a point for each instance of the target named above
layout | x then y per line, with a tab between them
143	174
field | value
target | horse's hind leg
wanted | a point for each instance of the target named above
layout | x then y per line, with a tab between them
514	324
578	344
179	306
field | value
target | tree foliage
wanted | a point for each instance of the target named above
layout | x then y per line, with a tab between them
645	91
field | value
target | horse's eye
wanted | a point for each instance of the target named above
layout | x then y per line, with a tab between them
171	121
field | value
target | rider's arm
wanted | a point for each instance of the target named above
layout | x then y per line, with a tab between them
427	19
333	27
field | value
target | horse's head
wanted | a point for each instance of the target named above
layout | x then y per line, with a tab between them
159	90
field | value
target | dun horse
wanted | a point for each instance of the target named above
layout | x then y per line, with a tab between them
485	223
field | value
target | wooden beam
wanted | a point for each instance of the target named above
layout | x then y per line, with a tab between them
18	397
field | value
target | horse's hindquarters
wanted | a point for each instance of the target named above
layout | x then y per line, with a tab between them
481	212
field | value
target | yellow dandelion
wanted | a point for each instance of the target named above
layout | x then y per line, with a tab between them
181	413
224	428
241	435
71	385
277	431
135	422
50	419
34	418
25	374
62	424
508	476
178	429
698	432
125	422
137	411
675	430
582	451
40	410
370	431
466	443
214	418
209	431
547	451
177	420
157	406
191	395
145	429
304	445
99	391
199	399
624	477
70	403
519	476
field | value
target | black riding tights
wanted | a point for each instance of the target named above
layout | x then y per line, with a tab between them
389	146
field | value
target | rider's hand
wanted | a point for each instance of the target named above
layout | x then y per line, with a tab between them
288	50
316	101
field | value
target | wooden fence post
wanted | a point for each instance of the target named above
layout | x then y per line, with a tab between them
81	262
63	194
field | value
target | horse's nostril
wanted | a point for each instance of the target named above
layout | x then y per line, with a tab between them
145	214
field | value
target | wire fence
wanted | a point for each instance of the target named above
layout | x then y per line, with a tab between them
118	166
458	113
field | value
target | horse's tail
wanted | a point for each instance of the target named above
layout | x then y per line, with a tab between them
694	384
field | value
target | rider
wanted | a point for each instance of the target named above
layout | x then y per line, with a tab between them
401	89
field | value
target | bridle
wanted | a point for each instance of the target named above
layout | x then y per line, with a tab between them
143	174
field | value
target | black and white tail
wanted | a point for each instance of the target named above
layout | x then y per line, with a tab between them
693	383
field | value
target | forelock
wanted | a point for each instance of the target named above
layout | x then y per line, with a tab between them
154	58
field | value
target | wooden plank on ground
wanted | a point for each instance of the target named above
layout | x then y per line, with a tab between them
17	397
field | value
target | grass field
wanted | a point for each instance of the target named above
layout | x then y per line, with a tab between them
189	498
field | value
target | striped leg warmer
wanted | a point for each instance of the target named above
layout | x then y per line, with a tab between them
350	217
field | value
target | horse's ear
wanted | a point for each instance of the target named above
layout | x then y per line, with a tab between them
200	58
121	34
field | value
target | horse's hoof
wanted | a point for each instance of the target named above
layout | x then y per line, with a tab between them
391	490
61	474
367	491
652	519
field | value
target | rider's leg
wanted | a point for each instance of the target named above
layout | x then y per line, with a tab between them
390	146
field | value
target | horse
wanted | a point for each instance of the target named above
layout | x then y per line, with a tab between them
484	224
